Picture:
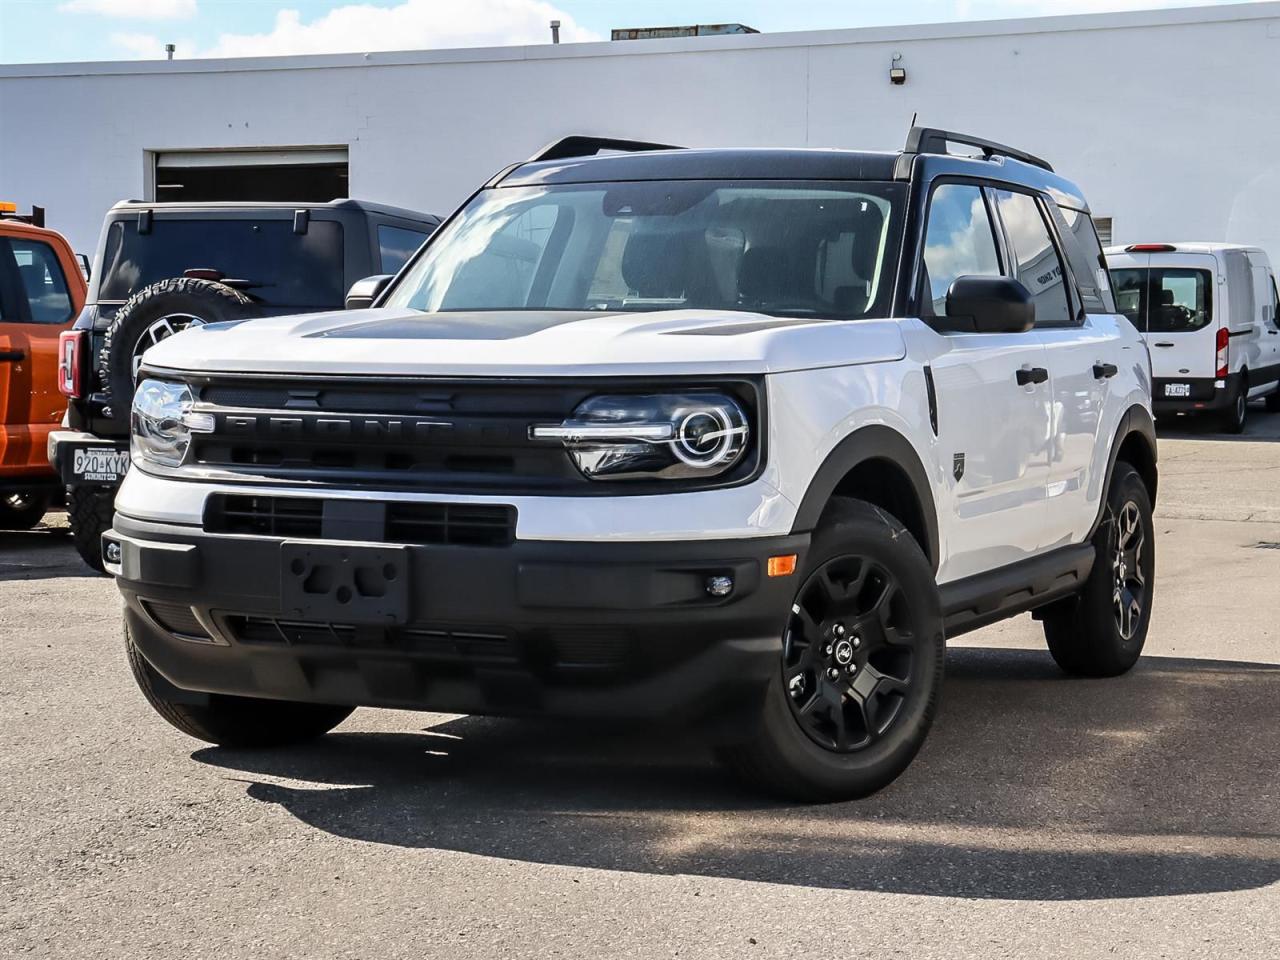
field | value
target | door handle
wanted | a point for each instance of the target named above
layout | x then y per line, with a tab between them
12	356
1162	344
1103	371
1031	375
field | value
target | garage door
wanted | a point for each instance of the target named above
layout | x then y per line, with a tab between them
295	174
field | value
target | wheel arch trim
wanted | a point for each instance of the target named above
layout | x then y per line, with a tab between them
1136	422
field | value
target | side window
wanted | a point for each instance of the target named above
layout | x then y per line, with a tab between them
1084	253
37	282
958	242
396	245
1035	259
1275	303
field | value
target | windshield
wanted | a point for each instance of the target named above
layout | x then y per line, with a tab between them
1164	299
810	249
278	266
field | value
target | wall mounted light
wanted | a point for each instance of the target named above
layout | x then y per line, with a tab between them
897	72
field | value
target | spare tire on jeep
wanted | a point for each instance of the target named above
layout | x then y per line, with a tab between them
153	314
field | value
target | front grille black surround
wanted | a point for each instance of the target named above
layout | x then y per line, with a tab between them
416	434
396	521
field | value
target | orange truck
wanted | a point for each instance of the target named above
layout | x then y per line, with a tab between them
42	290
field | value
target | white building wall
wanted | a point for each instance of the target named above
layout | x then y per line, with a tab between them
1165	118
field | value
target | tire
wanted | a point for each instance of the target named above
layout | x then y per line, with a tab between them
90	511
1235	416
232	721
819	740
1095	633
22	511
154	314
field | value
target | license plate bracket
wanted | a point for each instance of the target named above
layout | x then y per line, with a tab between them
344	583
1179	390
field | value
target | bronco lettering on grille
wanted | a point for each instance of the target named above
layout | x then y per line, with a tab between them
337	428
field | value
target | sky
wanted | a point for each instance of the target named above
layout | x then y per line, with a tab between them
36	31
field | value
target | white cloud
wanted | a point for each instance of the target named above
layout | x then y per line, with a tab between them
408	25
142	46
133	9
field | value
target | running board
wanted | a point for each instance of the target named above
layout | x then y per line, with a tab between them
988	597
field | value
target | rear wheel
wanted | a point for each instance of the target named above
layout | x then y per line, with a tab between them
861	667
1101	632
90	511
22	511
232	721
1233	419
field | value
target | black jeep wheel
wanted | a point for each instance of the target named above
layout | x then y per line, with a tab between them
1101	632
861	666
90	511
153	314
22	511
231	721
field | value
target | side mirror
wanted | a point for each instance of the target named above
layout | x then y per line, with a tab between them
364	292
988	305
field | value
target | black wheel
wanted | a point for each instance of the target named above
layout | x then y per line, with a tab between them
90	511
861	665
1233	419
153	314
1100	633
1273	401
22	511
232	721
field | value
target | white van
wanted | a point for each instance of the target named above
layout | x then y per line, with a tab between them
1208	314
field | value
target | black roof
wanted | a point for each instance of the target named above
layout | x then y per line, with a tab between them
645	161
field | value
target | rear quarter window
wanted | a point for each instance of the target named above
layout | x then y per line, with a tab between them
1088	264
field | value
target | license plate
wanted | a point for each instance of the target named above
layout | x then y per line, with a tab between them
99	464
1177	389
344	583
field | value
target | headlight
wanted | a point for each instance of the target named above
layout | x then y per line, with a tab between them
694	435
162	422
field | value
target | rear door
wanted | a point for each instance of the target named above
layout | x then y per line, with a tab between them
37	302
1175	302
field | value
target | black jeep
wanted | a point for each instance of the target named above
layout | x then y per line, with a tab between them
163	267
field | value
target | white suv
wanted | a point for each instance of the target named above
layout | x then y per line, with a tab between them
729	440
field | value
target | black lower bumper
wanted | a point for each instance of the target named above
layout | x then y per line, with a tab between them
624	630
1202	395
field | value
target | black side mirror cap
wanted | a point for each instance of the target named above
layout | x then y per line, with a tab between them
987	305
364	292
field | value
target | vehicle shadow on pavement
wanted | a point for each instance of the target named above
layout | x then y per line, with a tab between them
1032	786
39	554
1262	427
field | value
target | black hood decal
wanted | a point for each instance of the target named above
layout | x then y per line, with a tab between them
461	325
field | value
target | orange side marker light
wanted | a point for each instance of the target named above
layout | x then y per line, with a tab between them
783	566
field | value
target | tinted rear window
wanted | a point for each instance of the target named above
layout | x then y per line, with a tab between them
282	268
1164	299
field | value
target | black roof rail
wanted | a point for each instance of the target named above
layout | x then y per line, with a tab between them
578	146
930	140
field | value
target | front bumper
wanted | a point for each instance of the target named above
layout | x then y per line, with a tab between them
618	630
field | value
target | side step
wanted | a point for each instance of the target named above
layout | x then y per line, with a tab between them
988	597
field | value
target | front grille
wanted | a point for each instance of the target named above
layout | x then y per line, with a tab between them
459	524
429	643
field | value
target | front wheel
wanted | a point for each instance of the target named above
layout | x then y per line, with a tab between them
232	721
22	511
1101	632
861	667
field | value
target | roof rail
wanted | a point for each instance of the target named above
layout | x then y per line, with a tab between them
930	140
578	146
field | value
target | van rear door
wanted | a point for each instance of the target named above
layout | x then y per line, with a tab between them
1174	301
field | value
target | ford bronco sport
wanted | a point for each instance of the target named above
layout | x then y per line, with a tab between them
162	267
728	439
41	291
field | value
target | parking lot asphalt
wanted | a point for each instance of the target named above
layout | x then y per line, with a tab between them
1045	817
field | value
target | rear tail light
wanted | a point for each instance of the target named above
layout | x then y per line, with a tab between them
71	362
1221	360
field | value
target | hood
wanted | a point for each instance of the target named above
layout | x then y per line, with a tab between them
401	342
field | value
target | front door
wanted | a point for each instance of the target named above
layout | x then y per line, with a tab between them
993	431
36	305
